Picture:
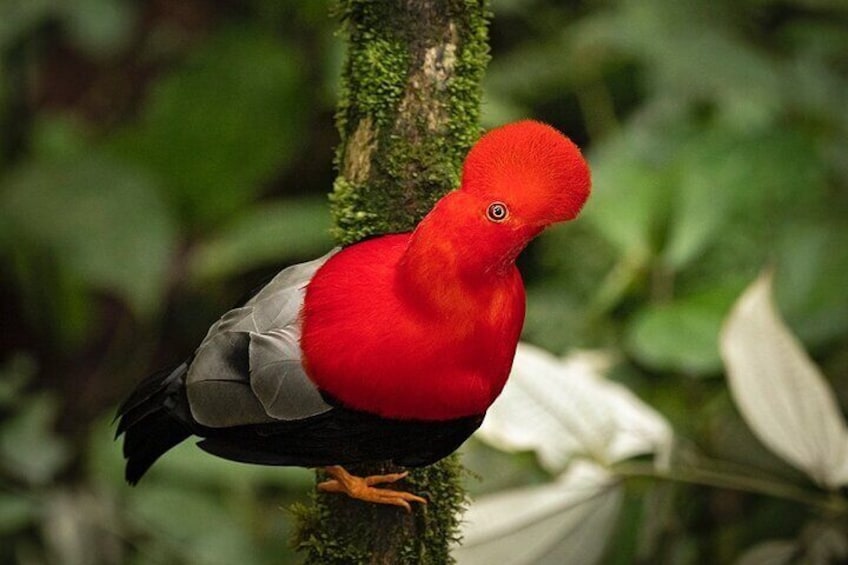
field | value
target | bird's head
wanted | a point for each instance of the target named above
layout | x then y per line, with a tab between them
517	180
526	174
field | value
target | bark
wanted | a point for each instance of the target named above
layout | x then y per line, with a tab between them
408	113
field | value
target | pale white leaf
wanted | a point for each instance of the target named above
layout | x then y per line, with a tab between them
567	521
826	544
563	408
820	543
780	393
772	552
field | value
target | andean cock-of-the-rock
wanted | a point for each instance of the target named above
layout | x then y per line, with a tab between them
391	349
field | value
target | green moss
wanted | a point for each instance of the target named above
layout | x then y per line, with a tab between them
440	483
353	221
336	530
416	77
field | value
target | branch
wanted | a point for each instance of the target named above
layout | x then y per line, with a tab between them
408	113
408	109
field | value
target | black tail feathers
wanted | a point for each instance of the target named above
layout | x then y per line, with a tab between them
152	420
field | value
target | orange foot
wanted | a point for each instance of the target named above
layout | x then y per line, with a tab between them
361	487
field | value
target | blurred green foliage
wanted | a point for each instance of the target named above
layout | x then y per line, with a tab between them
159	159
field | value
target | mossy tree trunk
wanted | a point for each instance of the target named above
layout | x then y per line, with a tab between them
408	113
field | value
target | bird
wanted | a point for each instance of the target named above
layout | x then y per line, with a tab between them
388	349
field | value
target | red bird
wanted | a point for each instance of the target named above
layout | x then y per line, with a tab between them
389	349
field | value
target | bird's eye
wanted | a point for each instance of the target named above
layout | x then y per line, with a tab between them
497	212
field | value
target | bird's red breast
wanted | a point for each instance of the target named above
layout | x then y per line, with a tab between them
376	344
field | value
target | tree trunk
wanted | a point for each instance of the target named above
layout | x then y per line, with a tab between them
408	113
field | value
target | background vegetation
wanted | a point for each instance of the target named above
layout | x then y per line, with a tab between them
159	158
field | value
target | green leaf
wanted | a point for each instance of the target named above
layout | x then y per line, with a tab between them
266	234
100	27
16	513
19	17
194	521
28	447
712	175
629	198
681	335
15	373
811	264
694	53
221	124
97	224
739	182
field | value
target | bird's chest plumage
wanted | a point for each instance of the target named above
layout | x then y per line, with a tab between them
372	347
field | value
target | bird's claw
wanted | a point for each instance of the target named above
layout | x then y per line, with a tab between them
361	488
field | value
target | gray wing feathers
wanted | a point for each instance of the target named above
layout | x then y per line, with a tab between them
277	376
223	404
218	393
248	368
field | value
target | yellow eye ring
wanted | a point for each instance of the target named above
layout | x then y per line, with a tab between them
497	212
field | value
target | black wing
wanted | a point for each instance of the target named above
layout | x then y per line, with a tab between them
341	436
